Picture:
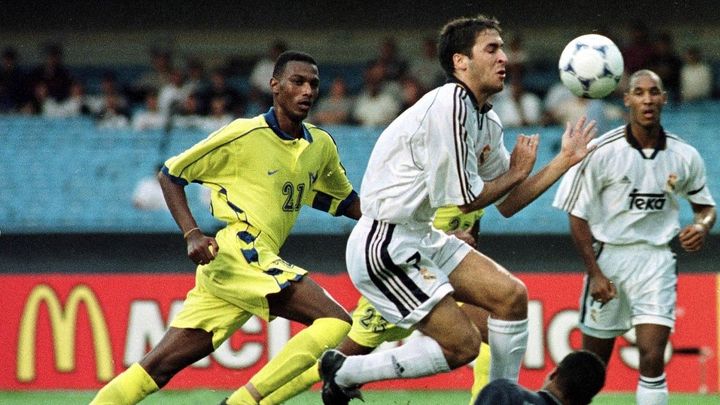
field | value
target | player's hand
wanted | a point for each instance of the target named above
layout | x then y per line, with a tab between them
692	237
201	249
464	236
575	139
602	289
524	154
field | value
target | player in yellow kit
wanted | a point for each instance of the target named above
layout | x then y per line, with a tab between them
369	329
261	171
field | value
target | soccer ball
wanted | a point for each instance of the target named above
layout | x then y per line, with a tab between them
591	66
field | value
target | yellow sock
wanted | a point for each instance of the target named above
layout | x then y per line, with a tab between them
299	384
300	352
481	371
241	397
127	388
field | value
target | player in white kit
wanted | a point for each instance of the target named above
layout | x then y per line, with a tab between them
623	207
447	149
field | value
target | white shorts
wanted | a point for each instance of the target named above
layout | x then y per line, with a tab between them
402	271
646	280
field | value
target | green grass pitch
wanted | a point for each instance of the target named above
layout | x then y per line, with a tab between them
197	397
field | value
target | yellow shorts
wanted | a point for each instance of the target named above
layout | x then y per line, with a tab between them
234	286
370	329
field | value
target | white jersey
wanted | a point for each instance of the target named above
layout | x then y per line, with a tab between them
630	195
436	153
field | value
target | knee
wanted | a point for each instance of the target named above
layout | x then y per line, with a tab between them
464	350
652	360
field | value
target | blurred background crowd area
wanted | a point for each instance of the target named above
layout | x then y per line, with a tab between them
145	66
94	96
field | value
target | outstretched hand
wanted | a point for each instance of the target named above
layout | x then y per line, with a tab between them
524	154
575	140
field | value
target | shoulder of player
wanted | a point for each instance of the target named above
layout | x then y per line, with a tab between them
247	126
677	142
608	142
450	91
448	94
242	127
237	129
494	119
683	149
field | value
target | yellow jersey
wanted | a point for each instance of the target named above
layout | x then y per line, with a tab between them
261	176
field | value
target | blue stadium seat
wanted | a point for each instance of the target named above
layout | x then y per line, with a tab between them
66	176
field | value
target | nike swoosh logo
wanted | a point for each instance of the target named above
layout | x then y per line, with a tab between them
271	172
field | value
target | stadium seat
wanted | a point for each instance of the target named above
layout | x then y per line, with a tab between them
63	175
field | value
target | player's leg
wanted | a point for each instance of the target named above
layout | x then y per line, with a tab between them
127	388
652	293
437	350
178	349
601	323
603	347
481	366
480	281
371	329
403	272
306	302
449	340
309	377
368	331
651	341
185	342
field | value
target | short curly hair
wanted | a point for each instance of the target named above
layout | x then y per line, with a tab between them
289	56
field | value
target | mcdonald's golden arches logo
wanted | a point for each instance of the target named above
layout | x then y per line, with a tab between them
63	322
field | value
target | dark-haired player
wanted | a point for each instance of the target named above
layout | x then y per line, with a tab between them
447	149
261	171
575	381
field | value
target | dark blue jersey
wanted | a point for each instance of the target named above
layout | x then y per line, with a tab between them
506	392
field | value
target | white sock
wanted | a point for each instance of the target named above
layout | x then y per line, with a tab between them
508	342
418	357
652	391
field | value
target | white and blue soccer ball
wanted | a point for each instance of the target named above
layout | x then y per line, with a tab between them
591	66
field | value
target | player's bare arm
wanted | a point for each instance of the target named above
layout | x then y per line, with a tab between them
201	249
574	148
522	160
601	288
692	237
